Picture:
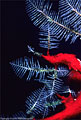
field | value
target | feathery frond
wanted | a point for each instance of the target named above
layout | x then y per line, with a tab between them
54	74
76	5
70	11
47	39
57	85
21	66
40	101
37	10
42	16
34	103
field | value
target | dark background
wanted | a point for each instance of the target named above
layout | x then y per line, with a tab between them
17	32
